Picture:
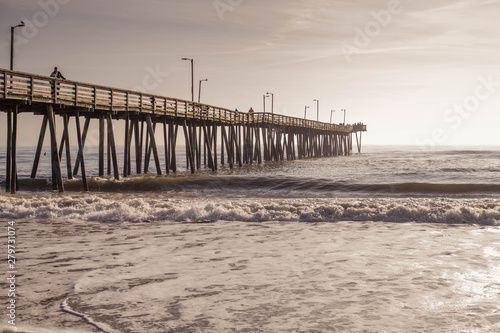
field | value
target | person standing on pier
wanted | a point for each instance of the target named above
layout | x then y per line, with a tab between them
57	74
55	86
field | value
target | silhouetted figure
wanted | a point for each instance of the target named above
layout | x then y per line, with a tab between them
57	74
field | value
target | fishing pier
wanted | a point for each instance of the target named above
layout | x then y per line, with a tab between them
211	134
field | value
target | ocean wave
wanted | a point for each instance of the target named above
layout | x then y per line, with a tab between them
135	208
262	185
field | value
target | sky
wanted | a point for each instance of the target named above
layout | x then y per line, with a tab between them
423	73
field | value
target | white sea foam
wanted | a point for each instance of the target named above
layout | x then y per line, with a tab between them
136	208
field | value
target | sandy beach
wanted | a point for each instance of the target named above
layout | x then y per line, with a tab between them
259	277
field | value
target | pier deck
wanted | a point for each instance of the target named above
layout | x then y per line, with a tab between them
242	137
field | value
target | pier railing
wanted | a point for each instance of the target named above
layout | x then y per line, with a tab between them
33	88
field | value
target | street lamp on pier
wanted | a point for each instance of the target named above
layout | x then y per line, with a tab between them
305	111
343	110
331	116
12	44
199	89
272	101
317	108
192	77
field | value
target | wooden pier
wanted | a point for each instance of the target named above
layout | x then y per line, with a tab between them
211	134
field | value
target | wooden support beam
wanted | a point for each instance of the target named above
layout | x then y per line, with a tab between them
237	146
129	159
231	143
39	147
214	133
65	143
13	180
84	139
8	158
141	143
286	147
57	181
258	150
228	148
207	162
189	151
207	129
152	140
111	140
68	148
149	149
192	138
198	147
80	152
108	155
208	148
101	145
222	136
264	144
126	152
272	138
246	145
138	154
173	143
358	143
166	146
147	154
196	150
335	145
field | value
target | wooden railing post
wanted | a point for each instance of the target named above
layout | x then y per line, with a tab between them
76	94
111	98
31	89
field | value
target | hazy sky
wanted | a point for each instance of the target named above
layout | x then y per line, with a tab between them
416	72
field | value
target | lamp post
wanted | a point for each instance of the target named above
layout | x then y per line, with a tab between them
331	116
305	111
199	90
317	108
192	77
12	44
272	101
264	99
11	168
344	110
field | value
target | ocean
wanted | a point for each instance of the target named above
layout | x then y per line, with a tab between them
396	239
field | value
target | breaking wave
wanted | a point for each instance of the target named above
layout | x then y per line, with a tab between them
137	208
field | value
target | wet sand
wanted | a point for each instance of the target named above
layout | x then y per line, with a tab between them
257	277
